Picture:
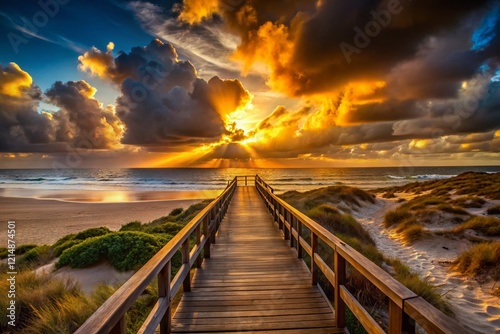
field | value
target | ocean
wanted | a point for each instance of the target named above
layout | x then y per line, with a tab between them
15	181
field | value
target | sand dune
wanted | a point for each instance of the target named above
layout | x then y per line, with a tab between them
473	305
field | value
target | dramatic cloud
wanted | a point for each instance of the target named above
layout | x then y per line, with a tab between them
82	119
81	122
163	102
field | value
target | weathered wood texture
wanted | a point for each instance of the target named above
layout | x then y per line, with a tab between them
253	281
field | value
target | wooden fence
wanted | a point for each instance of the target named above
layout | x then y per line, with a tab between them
405	307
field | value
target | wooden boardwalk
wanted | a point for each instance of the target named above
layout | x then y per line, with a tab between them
253	281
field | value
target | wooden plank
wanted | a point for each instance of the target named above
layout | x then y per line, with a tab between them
253	280
251	313
252	325
325	269
360	313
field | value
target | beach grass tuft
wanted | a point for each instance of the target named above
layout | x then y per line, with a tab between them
488	226
480	259
494	210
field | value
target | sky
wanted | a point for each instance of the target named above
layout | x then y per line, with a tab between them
249	83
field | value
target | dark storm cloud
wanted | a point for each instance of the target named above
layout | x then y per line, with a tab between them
81	117
22	128
390	110
163	102
317	30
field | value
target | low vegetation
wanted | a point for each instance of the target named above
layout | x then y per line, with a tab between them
470	184
482	259
52	305
494	210
420	286
123	250
344	196
487	226
320	205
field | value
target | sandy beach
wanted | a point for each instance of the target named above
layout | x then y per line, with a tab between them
44	221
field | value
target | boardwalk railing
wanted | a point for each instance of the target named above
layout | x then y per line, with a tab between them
405	307
110	317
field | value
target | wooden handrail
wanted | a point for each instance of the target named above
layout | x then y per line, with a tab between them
110	317
404	305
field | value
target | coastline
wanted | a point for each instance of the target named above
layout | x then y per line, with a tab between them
44	221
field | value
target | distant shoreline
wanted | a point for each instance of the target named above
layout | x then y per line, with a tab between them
45	221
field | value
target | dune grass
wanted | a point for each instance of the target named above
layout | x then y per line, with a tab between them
480	259
494	210
469	202
419	286
47	304
53	305
488	226
397	217
467	184
305	201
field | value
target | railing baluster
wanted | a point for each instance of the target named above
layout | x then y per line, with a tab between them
314	266
340	278
399	322
120	327
206	248
286	229
299	233
198	242
185	260
164	292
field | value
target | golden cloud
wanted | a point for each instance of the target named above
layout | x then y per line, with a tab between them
13	80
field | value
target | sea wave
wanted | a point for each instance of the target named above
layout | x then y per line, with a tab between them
421	177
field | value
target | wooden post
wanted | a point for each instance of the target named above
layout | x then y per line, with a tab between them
120	327
399	322
206	248
246	181
185	260
314	266
285	229
299	233
198	241
340	277
164	292
290	221
213	222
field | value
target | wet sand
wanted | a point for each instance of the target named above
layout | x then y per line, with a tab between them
44	221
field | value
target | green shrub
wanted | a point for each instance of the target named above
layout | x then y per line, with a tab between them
168	228
58	250
37	255
132	226
92	232
489	226
4	251
176	212
123	250
480	259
